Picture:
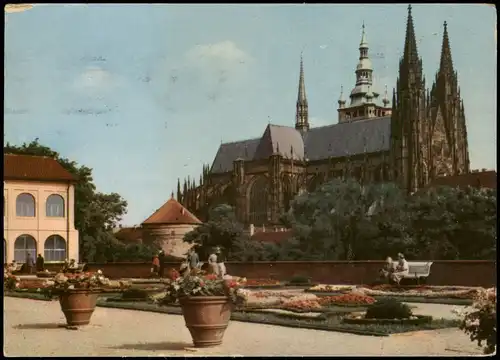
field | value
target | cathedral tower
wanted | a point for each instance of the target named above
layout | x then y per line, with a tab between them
448	152
363	97
409	115
302	109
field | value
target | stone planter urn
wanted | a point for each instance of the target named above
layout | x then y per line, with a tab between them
206	318
78	305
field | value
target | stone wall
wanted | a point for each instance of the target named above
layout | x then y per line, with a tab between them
459	272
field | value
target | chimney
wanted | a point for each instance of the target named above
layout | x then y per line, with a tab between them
251	230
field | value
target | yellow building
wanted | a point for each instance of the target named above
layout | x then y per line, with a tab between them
39	209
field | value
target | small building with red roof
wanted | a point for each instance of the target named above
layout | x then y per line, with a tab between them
168	225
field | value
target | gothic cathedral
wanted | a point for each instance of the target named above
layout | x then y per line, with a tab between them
422	135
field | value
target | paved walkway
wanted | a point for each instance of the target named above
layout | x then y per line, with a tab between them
31	329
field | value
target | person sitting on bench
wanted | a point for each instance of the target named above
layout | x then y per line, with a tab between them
387	270
402	269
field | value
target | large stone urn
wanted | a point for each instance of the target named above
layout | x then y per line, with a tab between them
206	318
78	305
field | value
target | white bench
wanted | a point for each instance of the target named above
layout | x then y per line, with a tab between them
418	270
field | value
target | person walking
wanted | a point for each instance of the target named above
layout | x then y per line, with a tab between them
40	262
220	262
156	265
29	263
194	259
161	259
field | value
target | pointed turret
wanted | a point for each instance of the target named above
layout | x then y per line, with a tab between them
385	100
341	98
302	108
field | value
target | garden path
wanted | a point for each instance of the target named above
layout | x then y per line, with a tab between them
31	329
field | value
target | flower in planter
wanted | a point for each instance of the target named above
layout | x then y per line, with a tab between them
10	282
66	281
203	285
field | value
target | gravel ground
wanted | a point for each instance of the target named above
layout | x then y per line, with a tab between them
31	329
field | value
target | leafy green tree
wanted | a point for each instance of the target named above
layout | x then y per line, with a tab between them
222	229
338	220
95	212
453	223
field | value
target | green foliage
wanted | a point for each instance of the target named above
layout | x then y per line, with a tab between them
222	229
451	223
96	213
336	221
343	220
389	308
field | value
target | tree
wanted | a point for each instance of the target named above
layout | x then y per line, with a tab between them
453	223
222	229
95	213
339	219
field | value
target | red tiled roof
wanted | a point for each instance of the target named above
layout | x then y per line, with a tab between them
172	212
29	167
272	236
129	235
483	179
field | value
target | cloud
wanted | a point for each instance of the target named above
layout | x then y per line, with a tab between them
219	64
225	52
94	78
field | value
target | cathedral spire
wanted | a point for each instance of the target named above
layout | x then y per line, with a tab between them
410	55
302	108
446	63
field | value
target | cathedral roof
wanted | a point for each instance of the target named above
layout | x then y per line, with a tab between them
172	212
338	140
348	138
283	140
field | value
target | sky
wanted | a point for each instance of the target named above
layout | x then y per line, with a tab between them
145	94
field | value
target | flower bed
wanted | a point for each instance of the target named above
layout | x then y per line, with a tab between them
263	283
325	323
346	300
322	288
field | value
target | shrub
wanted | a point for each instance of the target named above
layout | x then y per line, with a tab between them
300	279
388	309
480	320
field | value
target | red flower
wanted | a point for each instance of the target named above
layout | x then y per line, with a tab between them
202	283
211	277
